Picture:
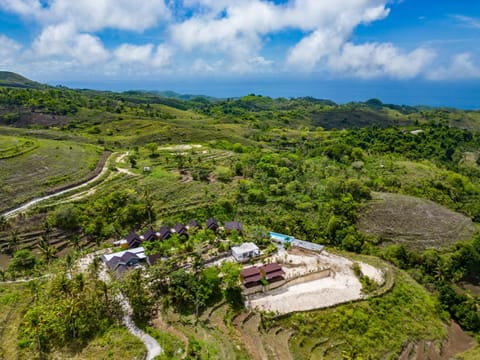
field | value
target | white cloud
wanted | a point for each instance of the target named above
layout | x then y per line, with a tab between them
461	67
219	36
200	66
237	29
311	49
128	53
9	51
261	61
63	41
144	54
380	59
93	15
468	21
22	7
162	56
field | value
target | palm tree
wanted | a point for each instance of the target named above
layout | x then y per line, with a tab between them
12	245
47	229
94	268
4	223
75	241
34	288
68	263
47	250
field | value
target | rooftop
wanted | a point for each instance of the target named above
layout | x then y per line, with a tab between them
270	268
251	271
245	247
139	252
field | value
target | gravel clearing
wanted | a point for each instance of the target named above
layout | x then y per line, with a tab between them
342	286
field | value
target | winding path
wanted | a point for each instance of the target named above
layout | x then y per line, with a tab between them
35	201
153	347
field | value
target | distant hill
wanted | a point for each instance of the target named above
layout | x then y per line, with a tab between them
175	95
10	79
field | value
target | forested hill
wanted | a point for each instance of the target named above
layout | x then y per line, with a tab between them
21	97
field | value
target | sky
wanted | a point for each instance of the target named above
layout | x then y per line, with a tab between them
401	51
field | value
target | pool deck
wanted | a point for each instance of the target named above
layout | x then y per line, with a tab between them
295	242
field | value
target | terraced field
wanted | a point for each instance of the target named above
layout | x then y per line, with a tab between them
51	165
414	222
12	146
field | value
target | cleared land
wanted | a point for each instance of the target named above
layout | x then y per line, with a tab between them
414	222
51	165
341	286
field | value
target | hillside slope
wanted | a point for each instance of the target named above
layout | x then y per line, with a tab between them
10	79
414	222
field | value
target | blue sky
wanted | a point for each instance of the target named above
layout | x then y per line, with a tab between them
401	51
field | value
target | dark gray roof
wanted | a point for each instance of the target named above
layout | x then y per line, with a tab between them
112	264
128	256
165	232
133	240
233	225
180	228
152	259
212	224
194	224
149	235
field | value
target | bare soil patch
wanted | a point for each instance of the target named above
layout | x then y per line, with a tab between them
27	118
414	222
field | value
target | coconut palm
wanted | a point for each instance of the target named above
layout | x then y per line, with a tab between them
46	249
13	241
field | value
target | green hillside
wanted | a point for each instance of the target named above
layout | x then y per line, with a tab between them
10	79
373	181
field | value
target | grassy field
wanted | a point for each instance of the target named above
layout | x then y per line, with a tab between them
117	343
375	329
53	164
413	222
12	146
14	299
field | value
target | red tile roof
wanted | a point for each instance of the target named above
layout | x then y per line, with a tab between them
275	274
251	271
268	268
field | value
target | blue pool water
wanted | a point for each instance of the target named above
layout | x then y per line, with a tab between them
281	237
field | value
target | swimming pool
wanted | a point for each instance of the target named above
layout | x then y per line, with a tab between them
281	237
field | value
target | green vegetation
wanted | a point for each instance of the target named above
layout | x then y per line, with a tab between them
115	343
269	163
375	329
10	79
13	146
14	300
30	168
